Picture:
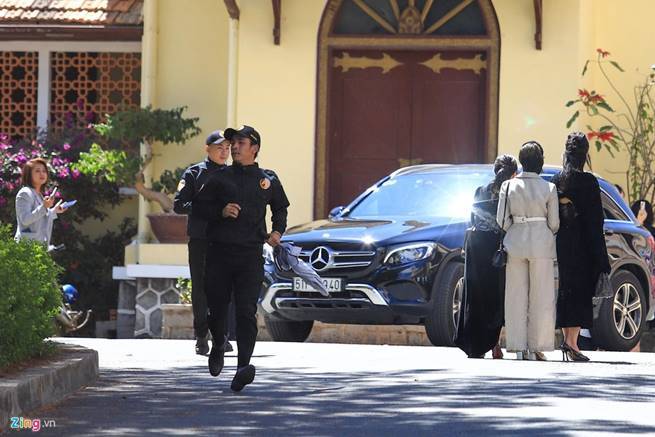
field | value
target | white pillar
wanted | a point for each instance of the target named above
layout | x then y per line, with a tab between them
232	71
148	97
43	90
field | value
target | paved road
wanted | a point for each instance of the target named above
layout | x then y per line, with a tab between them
158	387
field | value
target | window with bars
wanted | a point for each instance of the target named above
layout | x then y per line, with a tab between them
19	72
81	87
86	86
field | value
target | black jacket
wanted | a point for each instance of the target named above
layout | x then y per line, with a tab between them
252	188
188	189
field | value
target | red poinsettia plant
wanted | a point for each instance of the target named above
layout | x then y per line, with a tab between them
630	130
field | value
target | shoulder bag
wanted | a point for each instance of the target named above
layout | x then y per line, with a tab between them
499	260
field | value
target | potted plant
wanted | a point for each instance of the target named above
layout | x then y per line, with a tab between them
119	160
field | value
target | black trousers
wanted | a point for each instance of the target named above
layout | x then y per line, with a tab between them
236	272
197	255
197	260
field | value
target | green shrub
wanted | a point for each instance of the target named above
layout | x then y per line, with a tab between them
29	298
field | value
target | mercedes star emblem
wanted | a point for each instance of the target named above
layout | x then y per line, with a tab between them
320	258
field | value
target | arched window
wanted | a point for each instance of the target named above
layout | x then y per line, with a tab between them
417	17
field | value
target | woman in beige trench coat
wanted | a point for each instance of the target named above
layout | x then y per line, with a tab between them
531	222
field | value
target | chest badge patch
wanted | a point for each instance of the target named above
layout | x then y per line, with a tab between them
181	185
265	183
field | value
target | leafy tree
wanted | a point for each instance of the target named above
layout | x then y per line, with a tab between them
123	163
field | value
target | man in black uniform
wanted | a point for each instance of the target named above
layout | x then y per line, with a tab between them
193	179
236	236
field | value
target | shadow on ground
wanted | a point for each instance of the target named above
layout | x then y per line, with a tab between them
187	401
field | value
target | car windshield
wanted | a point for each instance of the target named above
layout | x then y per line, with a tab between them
439	193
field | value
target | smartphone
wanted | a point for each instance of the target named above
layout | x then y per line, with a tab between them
642	205
68	204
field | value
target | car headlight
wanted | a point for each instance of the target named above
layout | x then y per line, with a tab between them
409	253
267	253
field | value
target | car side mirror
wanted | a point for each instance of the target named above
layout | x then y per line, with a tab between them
334	212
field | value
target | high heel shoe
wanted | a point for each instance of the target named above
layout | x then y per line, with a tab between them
497	353
537	356
570	354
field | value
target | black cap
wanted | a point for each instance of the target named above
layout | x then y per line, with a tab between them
244	131
216	137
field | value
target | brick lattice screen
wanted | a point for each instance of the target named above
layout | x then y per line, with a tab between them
19	72
87	85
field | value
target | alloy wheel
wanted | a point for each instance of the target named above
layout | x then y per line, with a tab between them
627	311
458	294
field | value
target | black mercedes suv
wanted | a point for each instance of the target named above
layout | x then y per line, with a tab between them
394	256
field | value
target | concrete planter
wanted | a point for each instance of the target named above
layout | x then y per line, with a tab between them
177	321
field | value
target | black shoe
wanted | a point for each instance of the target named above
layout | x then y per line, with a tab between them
216	361
228	347
202	346
244	376
569	353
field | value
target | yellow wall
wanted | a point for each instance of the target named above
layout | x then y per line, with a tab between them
191	71
624	29
128	208
277	93
276	90
535	84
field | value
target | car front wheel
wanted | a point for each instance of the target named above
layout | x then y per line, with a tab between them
287	330
621	320
447	293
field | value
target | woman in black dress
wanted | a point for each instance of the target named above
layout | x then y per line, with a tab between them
482	316
581	250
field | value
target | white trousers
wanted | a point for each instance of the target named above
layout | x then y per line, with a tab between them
530	300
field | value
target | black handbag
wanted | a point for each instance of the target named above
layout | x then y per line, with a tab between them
567	212
603	292
604	287
499	260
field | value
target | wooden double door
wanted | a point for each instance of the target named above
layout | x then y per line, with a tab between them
388	109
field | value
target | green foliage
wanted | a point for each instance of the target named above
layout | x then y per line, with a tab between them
184	285
168	181
124	164
114	166
29	298
149	125
572	119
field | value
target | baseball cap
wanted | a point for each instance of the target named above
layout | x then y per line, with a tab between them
244	131
216	137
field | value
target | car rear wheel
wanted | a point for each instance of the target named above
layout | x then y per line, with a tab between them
621	320
447	293
287	330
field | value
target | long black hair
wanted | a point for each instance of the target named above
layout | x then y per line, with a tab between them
575	156
504	167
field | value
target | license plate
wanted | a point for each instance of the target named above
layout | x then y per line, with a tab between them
332	284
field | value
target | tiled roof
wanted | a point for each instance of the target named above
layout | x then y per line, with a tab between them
104	12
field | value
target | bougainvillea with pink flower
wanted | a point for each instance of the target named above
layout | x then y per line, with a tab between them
86	261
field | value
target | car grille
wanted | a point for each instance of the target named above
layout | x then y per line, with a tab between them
344	259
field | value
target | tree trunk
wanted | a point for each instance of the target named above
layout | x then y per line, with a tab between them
164	201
